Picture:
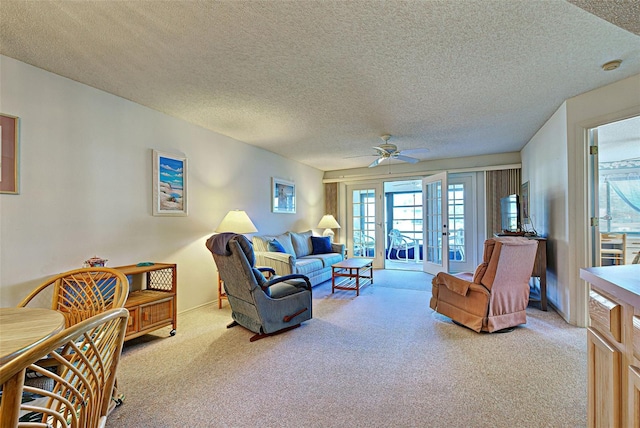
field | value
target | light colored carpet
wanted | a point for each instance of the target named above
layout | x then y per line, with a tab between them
383	359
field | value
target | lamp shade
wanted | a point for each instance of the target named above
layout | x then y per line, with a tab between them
236	221
328	222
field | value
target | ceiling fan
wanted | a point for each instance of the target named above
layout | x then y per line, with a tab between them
389	151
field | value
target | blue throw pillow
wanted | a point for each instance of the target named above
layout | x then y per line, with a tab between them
275	247
321	245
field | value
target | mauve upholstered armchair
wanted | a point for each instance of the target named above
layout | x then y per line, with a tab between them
496	296
264	307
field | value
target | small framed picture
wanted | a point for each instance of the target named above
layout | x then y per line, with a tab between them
283	196
9	154
169	184
524	202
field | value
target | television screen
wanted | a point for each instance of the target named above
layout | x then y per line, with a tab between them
510	213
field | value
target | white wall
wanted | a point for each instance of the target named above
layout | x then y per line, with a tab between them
544	166
85	186
568	227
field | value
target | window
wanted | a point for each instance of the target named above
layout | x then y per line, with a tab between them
405	213
619	197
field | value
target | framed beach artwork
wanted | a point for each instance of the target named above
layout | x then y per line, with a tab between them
9	154
283	196
169	184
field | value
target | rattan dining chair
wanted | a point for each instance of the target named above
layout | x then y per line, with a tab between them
86	357
80	294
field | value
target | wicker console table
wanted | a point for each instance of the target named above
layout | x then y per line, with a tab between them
152	298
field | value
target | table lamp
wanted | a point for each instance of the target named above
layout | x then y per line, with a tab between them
328	222
236	221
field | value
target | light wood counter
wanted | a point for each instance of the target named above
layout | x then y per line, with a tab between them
613	342
620	281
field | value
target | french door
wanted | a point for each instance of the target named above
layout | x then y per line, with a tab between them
462	222
365	234
594	196
436	233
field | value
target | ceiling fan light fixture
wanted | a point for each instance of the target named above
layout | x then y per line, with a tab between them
390	151
611	65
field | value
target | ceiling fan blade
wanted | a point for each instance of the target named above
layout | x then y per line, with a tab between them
414	151
360	156
406	159
377	162
382	151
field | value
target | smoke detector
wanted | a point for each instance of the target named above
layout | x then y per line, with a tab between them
611	65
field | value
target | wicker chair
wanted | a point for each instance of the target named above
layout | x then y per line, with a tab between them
86	357
80	294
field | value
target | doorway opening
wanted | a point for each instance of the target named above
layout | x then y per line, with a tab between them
403	225
616	192
404	222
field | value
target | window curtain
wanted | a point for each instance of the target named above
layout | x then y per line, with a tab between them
499	183
629	192
331	201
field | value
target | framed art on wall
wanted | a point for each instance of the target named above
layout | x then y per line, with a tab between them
9	154
283	196
524	195
169	184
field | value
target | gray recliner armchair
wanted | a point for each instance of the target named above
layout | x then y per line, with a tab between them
263	306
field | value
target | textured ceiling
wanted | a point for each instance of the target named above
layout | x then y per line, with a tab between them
320	81
623	13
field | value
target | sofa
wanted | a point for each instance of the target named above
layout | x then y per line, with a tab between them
298	253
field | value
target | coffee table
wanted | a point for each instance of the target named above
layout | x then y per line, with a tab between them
353	270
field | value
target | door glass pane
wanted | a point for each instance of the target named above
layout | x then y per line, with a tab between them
407	219
433	252
364	226
619	187
456	222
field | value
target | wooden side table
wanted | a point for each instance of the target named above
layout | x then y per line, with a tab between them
540	270
221	293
